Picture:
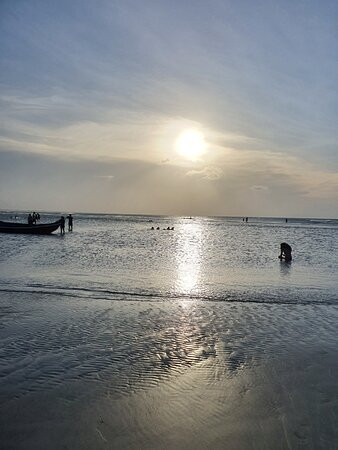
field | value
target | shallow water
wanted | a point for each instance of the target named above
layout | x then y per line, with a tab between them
115	336
119	257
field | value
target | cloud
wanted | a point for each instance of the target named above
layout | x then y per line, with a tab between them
259	187
258	82
35	181
313	181
266	170
228	72
107	177
208	173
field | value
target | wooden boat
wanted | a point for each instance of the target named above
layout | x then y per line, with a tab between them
24	228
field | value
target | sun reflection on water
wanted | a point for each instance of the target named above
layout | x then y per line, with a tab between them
189	259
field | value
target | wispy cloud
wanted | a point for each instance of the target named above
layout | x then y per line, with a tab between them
208	173
259	187
235	188
106	177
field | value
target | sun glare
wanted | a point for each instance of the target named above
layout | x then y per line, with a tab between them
190	144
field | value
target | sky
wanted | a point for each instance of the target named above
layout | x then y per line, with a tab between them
97	98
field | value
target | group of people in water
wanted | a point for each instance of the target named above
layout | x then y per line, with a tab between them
246	219
285	249
33	218
63	222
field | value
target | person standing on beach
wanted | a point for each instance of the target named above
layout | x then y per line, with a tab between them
62	225
70	222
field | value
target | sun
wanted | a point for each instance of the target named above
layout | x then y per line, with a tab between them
190	144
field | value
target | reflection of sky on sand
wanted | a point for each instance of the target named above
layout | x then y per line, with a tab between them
188	256
142	375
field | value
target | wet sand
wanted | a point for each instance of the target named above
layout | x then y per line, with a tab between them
80	374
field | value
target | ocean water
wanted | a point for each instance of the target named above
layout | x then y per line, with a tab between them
116	336
219	259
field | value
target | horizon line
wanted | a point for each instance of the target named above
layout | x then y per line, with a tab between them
21	211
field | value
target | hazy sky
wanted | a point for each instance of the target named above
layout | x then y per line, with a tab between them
94	96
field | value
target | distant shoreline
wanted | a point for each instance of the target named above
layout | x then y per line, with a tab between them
290	218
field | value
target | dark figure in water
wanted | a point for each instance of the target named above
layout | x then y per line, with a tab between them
246	219
286	220
285	252
30	219
70	222
62	225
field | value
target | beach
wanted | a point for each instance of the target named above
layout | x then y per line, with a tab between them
115	336
168	225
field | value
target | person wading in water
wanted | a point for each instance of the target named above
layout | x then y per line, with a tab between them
62	225
285	252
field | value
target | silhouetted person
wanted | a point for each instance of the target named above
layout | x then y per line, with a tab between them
246	219
285	252
62	225
157	228
70	222
152	228
37	216
30	219
34	217
286	220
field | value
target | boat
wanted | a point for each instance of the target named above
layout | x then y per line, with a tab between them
24	228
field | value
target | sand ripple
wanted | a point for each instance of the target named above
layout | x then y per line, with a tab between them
138	346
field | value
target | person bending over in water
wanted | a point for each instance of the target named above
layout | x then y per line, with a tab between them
285	252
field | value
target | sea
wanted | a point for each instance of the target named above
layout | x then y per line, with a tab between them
163	332
119	257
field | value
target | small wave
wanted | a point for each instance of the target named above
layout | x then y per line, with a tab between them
115	295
